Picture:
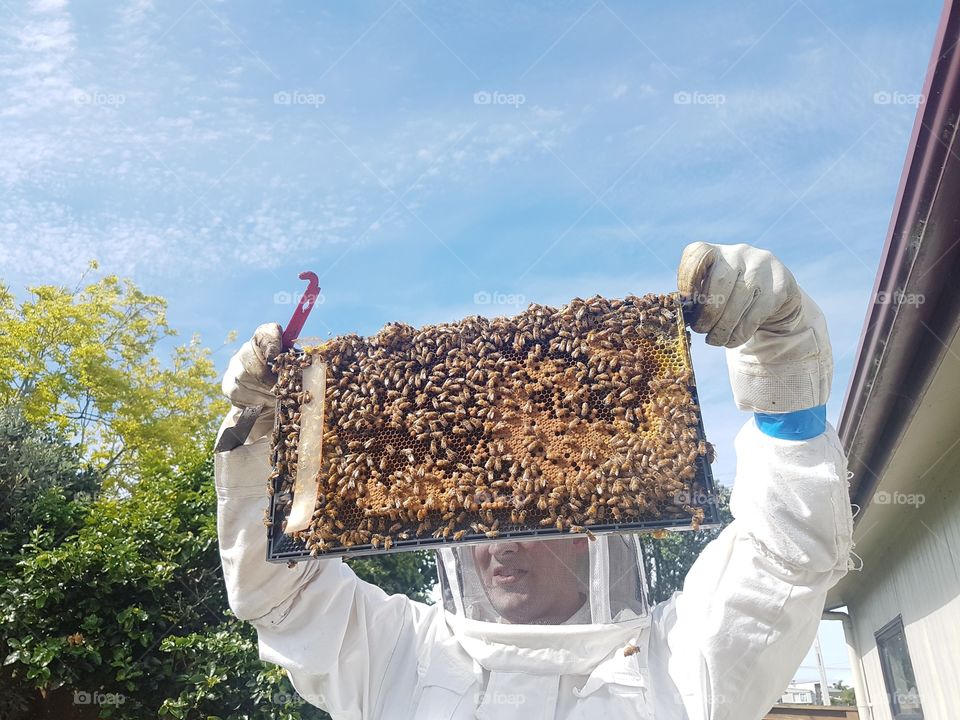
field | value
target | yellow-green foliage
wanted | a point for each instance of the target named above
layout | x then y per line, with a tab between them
84	359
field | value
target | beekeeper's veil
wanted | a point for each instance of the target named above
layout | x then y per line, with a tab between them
570	580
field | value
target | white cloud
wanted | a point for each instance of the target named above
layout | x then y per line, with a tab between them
135	11
49	5
38	64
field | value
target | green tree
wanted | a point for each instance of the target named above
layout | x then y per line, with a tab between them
841	694
43	482
134	605
669	556
85	361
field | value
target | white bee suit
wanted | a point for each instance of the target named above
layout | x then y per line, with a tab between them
724	648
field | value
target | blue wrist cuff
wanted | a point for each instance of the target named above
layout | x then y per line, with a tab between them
798	425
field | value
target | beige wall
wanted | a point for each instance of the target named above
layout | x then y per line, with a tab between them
916	574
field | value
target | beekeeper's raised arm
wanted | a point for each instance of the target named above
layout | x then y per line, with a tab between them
729	643
254	586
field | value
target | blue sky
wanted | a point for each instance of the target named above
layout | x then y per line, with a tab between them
425	157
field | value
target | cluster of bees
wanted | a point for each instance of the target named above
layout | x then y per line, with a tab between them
574	419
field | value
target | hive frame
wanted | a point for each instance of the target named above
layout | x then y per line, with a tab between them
283	548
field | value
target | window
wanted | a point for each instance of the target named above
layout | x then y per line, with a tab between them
898	672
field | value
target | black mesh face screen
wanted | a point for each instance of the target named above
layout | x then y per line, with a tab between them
580	419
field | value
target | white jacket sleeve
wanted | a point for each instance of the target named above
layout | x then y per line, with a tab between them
726	647
340	639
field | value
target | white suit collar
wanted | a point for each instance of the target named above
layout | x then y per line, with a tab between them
547	649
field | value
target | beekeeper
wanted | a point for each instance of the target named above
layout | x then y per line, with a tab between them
539	629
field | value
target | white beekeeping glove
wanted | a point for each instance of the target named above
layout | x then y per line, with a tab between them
745	299
248	380
248	384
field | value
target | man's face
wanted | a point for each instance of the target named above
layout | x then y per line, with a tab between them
538	581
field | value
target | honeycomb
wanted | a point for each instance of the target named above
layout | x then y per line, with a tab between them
574	419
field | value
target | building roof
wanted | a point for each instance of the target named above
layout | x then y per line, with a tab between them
900	418
914	314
